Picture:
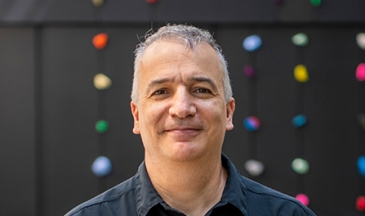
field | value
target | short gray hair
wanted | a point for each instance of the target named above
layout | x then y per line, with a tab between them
190	36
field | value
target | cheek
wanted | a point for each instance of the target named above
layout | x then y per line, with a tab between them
152	113
215	112
217	107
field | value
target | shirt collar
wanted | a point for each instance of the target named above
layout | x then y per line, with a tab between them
234	192
146	195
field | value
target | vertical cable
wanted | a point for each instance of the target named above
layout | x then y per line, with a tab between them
39	190
253	107
361	111
299	110
101	95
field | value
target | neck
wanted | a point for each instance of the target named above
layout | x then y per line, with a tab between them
191	187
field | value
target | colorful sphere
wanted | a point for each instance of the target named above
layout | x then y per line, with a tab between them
303	199
361	165
102	166
299	121
254	167
300	39
360	72
252	43
300	166
252	123
101	126
360	203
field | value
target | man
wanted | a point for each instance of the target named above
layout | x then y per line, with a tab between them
182	106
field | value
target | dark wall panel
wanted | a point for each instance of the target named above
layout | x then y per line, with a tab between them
270	96
337	11
330	101
276	106
236	144
208	11
295	11
17	122
122	146
69	104
213	11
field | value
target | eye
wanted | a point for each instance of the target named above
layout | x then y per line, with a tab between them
202	90
160	92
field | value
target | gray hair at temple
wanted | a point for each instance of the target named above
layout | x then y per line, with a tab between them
189	36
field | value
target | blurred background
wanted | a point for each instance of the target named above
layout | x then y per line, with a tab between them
55	122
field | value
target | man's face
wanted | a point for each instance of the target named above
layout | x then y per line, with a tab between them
181	112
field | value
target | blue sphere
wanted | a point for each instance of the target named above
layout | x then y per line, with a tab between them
252	43
102	166
361	165
299	121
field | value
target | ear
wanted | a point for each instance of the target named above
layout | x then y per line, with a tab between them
135	114
230	106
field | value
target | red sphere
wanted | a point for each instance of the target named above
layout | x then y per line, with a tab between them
360	203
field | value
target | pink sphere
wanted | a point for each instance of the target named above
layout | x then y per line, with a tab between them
303	199
360	72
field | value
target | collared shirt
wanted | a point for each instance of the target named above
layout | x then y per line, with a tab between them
241	196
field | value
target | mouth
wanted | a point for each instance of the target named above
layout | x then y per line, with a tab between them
183	131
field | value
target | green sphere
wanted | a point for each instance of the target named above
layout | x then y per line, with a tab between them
316	2
300	39
101	126
300	166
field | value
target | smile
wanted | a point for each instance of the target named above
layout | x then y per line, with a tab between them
183	132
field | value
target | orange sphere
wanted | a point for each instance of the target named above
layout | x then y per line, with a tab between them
100	40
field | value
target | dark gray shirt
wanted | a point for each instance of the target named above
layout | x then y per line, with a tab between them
241	196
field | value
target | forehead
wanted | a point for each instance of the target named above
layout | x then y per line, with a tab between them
167	55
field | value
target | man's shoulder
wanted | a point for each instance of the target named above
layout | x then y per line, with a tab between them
264	199
123	192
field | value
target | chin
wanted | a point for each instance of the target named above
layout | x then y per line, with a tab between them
184	152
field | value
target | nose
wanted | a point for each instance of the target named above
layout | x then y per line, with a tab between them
182	104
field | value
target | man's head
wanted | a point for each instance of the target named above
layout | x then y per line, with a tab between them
181	102
190	36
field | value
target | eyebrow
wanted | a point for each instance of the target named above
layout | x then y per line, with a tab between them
191	79
157	82
160	81
205	80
